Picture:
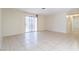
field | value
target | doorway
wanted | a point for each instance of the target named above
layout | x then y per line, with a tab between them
30	24
73	24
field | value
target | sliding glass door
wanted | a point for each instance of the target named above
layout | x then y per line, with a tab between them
30	23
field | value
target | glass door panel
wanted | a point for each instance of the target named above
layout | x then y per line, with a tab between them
31	23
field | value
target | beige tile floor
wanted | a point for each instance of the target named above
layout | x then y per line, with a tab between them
41	41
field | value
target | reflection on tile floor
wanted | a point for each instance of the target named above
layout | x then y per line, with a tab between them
41	41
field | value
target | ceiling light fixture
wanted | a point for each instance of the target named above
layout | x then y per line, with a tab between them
43	8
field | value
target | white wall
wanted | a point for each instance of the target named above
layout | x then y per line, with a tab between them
0	28
41	23
56	23
0	25
13	22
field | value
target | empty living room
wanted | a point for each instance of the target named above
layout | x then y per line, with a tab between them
39	29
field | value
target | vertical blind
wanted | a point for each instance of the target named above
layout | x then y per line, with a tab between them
31	23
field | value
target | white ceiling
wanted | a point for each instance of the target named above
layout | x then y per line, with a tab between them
47	11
